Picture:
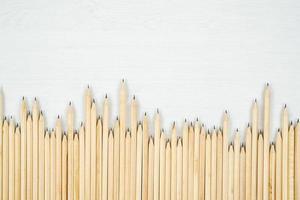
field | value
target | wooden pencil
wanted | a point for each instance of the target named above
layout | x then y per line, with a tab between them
70	134
242	173
225	156
23	119
116	159
81	162
76	166
291	162
297	161
122	110
219	164
139	150
127	165
17	163
105	148
196	160
110	174
168	172
145	158
278	169
162	165
231	173
185	160
35	149
52	164
99	158
266	142
248	162
133	143
150	169
58	133
202	163
156	155
47	167
41	157
93	149
11	155
208	167
64	167
29	156
87	155
254	150
260	164
236	168
1	141
5	160
285	143
191	162
179	170
213	187
272	176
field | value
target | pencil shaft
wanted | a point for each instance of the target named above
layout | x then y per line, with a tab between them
110	182
151	169
272	178
208	168
76	167
64	176
5	160
202	164
168	172
179	170
133	121
93	150
145	158
17	164
23	119
53	165
41	158
35	149
191	163
185	161
99	159
219	165
11	174
139	150
162	166
297	161
260	163
213	192
266	143
105	149
29	157
116	165
278	166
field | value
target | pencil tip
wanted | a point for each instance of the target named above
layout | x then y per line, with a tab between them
88	86
58	117
185	120
117	118
81	124
145	114
197	119
35	99
106	96
123	80
248	125
133	97
268	84
70	103
255	100
157	111
226	112
284	105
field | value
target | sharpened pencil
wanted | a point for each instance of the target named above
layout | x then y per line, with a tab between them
35	149
76	153
179	169
110	164
150	169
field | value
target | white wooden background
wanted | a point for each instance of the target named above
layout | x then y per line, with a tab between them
188	58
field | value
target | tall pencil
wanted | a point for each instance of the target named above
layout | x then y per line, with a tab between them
93	150
202	163
52	165
64	158
122	108
110	176
219	164
5	159
248	162
47	167
133	124
81	162
58	133
185	160
139	150
266	142
208	167
127	165
285	153
272	172
70	134
150	168
191	162
291	163
162	165
1	141
76	166
23	119
243	173
35	149
87	155
41	157
236	182
17	163
11	170
105	148
116	159
179	170
196	159
29	156
278	169
168	172
254	150
260	164
297	161
213	187
99	158
225	156
156	155
145	158
231	173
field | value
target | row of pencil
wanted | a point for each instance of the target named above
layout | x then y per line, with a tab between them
128	162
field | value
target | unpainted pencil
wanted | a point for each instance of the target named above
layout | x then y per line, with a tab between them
105	148
185	160
272	172
168	172
64	157
133	143
219	164
266	142
76	153
139	150
242	173
41	157
150	169
70	134
278	169
1	140
99	158
162	165
110	174
17	163
297	161
285	143
191	162
179	169
81	162
29	156
248	162
291	163
23	119
196	160
47	167
202	164
145	158
208	167
5	159
127	165
35	149
156	155
213	187
225	156
231	173
236	176
260	165
52	164
116	159
254	151
93	150
58	133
